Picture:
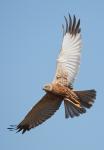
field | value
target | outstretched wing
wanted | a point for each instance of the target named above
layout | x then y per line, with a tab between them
69	58
43	110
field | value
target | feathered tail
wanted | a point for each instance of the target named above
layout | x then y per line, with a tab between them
85	100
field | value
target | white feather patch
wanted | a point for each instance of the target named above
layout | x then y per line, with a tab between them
69	59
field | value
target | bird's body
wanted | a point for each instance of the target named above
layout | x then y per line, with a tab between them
61	89
72	97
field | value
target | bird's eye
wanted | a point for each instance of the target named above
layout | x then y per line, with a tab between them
47	86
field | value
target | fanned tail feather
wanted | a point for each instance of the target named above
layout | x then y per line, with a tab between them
72	110
85	98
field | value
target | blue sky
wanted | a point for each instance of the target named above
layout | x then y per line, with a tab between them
30	39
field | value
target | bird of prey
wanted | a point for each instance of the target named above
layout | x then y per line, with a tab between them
61	88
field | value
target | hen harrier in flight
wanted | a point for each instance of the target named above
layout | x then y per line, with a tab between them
61	89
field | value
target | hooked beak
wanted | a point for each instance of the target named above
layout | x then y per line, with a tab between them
44	88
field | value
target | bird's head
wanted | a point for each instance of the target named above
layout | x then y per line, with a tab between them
48	87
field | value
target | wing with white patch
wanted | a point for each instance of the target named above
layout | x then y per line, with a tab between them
69	58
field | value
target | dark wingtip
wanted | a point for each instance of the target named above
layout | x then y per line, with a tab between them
66	24
72	25
23	128
19	128
78	30
12	127
69	17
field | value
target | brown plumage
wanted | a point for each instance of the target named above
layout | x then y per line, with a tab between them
61	89
44	109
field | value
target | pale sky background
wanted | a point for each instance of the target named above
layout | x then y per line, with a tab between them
30	39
